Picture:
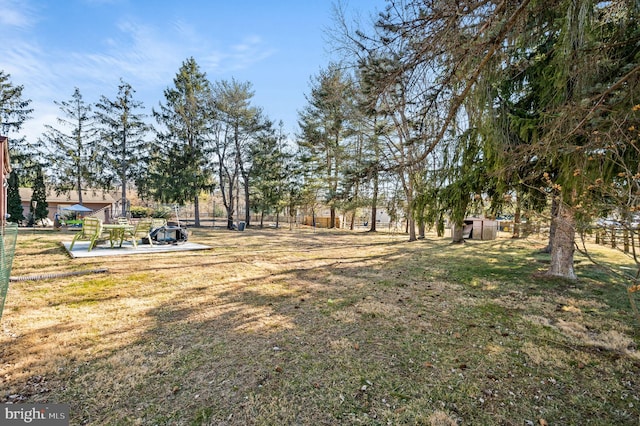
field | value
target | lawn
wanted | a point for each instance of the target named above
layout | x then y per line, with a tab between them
275	327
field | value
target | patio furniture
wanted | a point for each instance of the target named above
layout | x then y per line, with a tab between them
141	230
91	231
117	232
169	235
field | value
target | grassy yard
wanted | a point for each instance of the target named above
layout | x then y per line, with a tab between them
294	327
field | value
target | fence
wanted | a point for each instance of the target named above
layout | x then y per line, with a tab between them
616	237
7	251
320	222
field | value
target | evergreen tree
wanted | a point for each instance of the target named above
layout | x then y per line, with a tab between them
293	187
124	150
14	203
14	111
569	94
324	131
178	168
373	127
544	94
408	127
270	161
72	151
39	197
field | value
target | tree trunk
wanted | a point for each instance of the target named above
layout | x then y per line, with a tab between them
374	205
440	227
411	223
421	230
230	218
376	185
124	200
229	207
247	213
457	231
79	191
563	244
237	204
196	211
332	223
517	217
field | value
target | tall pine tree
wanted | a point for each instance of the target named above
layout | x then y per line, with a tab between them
324	130
14	111
270	161
179	169
39	197
122	133
71	149
14	202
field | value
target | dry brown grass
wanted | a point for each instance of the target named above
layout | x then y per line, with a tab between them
296	327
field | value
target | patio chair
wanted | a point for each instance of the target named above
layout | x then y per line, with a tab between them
91	231
122	220
142	229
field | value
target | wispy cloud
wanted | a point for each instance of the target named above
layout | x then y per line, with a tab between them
152	55
139	53
16	14
145	55
251	51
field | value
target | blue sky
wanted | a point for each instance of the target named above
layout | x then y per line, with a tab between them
51	47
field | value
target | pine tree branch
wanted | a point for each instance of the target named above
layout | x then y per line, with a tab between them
602	98
457	102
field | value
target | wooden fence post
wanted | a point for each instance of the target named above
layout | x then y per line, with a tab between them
625	239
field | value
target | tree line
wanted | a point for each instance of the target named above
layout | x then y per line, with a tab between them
206	135
488	105
485	106
436	110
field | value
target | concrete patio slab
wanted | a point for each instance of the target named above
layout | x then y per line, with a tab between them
80	249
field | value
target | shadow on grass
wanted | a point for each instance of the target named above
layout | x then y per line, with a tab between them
306	331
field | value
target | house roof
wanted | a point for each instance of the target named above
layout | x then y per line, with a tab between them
89	196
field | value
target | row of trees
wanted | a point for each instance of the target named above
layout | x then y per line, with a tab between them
206	136
14	110
442	108
476	105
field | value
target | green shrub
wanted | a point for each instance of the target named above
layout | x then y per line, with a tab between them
139	211
162	213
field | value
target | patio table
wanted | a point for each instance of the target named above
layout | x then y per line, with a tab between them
117	232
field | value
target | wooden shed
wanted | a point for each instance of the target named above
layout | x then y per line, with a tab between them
320	221
480	229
